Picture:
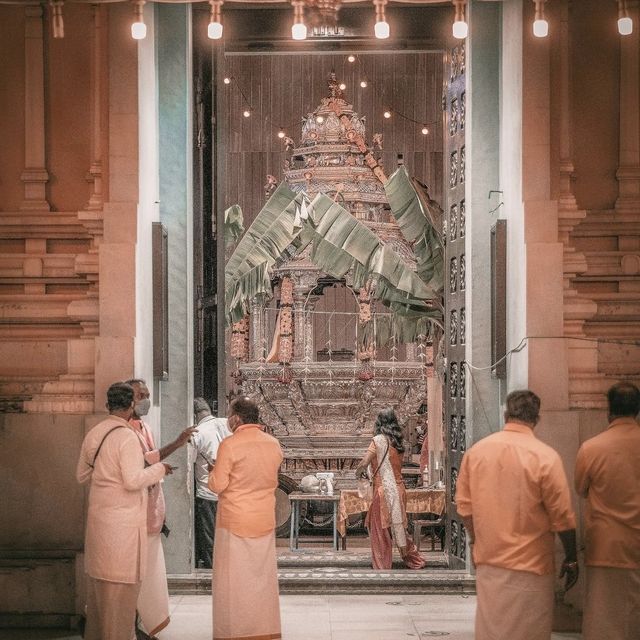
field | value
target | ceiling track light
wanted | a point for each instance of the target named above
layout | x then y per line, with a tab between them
540	24
139	28
57	23
298	29
214	30
625	23
460	27
381	28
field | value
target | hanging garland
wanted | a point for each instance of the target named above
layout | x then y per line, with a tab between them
240	339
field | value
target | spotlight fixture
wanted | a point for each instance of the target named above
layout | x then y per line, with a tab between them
246	113
351	58
387	114
227	80
625	23
425	131
57	23
460	27
540	24
139	28
281	133
381	28
299	29
343	86
363	84
214	30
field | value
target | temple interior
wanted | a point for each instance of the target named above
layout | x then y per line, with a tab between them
330	226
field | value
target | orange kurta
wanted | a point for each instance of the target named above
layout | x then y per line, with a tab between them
515	489
608	476
245	478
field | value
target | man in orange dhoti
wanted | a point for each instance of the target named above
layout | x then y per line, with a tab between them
153	600
116	535
608	476
245	578
512	495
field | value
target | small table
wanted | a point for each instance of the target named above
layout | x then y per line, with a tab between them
296	498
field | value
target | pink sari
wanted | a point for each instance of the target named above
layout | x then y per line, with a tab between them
387	516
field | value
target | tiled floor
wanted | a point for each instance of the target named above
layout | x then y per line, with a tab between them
375	617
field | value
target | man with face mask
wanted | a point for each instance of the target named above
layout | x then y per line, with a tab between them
115	549
153	601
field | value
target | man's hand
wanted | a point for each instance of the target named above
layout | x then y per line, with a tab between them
183	438
168	469
569	571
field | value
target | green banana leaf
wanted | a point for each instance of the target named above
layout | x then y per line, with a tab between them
420	220
233	225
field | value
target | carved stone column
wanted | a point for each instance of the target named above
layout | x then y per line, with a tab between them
628	173
35	175
257	332
95	170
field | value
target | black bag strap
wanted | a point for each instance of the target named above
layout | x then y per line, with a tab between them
93	462
384	457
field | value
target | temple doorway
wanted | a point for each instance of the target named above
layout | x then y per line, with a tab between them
301	351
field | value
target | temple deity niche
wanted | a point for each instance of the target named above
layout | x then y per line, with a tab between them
329	305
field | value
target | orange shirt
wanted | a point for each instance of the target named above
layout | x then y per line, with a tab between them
515	489
608	476
245	477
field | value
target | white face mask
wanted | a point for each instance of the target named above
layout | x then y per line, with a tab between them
143	406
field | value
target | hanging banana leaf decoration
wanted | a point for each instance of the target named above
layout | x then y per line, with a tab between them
420	220
233	225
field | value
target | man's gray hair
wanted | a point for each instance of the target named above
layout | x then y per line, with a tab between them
200	405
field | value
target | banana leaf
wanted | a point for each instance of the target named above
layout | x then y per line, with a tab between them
233	225
420	219
405	329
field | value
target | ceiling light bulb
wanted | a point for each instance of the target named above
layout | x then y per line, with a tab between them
425	131
540	28
351	58
299	31
625	26
246	113
214	30
281	134
363	84
227	81
343	86
387	114
460	29
381	30
319	119
139	28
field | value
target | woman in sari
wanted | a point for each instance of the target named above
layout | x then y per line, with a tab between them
387	517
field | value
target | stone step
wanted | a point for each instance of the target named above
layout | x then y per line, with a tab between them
345	559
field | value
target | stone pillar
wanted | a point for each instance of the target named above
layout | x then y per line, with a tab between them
256	320
628	173
35	175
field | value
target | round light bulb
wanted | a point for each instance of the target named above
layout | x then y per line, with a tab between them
387	114
381	30
227	81
540	28
246	113
319	119
343	86
351	58
281	134
299	31
625	26
425	131
138	30
214	30
460	29
363	84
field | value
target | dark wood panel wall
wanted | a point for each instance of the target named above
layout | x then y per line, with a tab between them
281	88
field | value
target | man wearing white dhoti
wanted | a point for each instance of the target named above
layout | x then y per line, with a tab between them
608	476
512	495
153	600
245	577
115	548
